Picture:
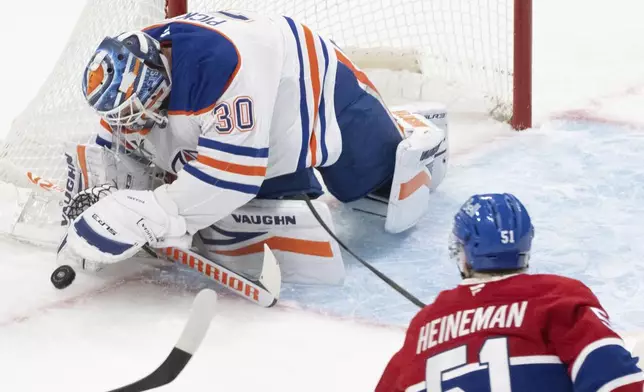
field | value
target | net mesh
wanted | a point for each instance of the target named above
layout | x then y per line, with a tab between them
460	42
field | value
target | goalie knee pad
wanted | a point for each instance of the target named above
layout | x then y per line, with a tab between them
306	252
421	161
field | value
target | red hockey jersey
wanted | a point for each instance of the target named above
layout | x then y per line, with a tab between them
520	333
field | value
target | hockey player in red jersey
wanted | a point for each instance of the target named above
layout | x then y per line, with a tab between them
503	330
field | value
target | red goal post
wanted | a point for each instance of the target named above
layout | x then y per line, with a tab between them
522	78
519	16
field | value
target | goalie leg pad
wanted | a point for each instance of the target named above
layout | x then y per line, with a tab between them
412	181
306	253
436	113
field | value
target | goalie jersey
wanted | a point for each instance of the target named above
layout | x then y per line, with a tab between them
518	333
256	102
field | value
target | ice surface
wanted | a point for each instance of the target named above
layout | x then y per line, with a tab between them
581	177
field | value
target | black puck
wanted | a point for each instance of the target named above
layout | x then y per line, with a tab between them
63	276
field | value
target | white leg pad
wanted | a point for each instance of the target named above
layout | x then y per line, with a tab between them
412	181
305	251
437	114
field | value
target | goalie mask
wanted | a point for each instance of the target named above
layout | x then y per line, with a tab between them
127	80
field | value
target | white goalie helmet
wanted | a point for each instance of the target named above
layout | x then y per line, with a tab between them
126	82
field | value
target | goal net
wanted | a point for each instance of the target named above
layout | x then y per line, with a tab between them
414	50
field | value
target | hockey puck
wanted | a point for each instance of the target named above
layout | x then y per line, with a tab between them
63	276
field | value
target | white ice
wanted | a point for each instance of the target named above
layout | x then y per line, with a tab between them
580	172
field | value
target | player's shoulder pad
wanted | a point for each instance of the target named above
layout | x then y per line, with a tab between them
204	63
562	286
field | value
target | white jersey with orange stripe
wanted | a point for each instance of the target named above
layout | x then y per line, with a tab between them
253	97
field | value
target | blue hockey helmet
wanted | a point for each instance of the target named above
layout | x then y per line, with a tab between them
127	80
492	232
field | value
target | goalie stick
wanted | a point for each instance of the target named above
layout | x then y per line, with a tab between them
370	267
263	291
203	310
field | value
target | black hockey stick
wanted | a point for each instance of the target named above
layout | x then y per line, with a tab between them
370	267
203	309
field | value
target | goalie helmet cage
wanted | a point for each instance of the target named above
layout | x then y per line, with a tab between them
482	45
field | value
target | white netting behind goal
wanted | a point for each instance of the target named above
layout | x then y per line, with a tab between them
459	42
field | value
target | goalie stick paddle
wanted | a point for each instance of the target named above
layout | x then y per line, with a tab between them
263	291
370	267
203	310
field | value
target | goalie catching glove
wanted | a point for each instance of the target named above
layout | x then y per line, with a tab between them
119	224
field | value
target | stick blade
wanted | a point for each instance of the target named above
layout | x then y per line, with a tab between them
271	276
203	310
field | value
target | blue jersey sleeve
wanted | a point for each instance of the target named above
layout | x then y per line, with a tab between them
203	64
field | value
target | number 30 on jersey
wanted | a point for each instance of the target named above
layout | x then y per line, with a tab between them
238	115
